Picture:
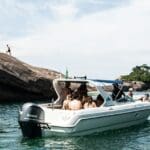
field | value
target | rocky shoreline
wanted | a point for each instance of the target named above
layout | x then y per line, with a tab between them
22	82
136	85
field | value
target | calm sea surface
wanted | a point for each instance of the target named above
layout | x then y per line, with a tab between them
133	138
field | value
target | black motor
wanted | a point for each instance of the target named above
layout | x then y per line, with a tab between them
30	119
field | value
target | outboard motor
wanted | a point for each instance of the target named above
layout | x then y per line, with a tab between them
30	119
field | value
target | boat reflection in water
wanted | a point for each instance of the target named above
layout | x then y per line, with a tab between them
37	120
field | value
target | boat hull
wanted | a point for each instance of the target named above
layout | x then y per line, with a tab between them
82	122
86	126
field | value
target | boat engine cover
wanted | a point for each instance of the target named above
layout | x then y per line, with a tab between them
32	112
30	120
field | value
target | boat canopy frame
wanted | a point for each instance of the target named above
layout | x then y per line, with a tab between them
107	98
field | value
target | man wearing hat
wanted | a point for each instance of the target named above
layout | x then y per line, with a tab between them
130	93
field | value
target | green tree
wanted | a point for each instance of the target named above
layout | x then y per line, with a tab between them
139	73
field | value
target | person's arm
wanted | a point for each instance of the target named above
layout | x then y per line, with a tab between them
93	104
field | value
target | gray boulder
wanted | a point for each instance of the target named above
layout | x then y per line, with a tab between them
22	82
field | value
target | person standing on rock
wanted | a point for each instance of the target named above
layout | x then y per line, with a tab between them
8	50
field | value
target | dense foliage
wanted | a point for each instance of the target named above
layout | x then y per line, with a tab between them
139	73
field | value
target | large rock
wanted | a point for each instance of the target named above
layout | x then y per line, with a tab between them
136	85
22	82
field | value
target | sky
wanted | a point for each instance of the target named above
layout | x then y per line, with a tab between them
99	38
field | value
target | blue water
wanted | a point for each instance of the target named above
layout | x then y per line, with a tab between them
133	138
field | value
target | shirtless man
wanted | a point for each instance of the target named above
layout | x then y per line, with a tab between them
82	90
65	91
75	104
145	98
66	102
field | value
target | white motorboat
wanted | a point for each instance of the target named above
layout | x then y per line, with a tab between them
38	120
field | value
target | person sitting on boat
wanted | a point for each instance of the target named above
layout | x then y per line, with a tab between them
75	103
84	100
82	90
89	103
145	97
130	92
117	93
99	100
66	102
65	91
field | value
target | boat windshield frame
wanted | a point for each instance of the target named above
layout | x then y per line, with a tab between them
99	89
